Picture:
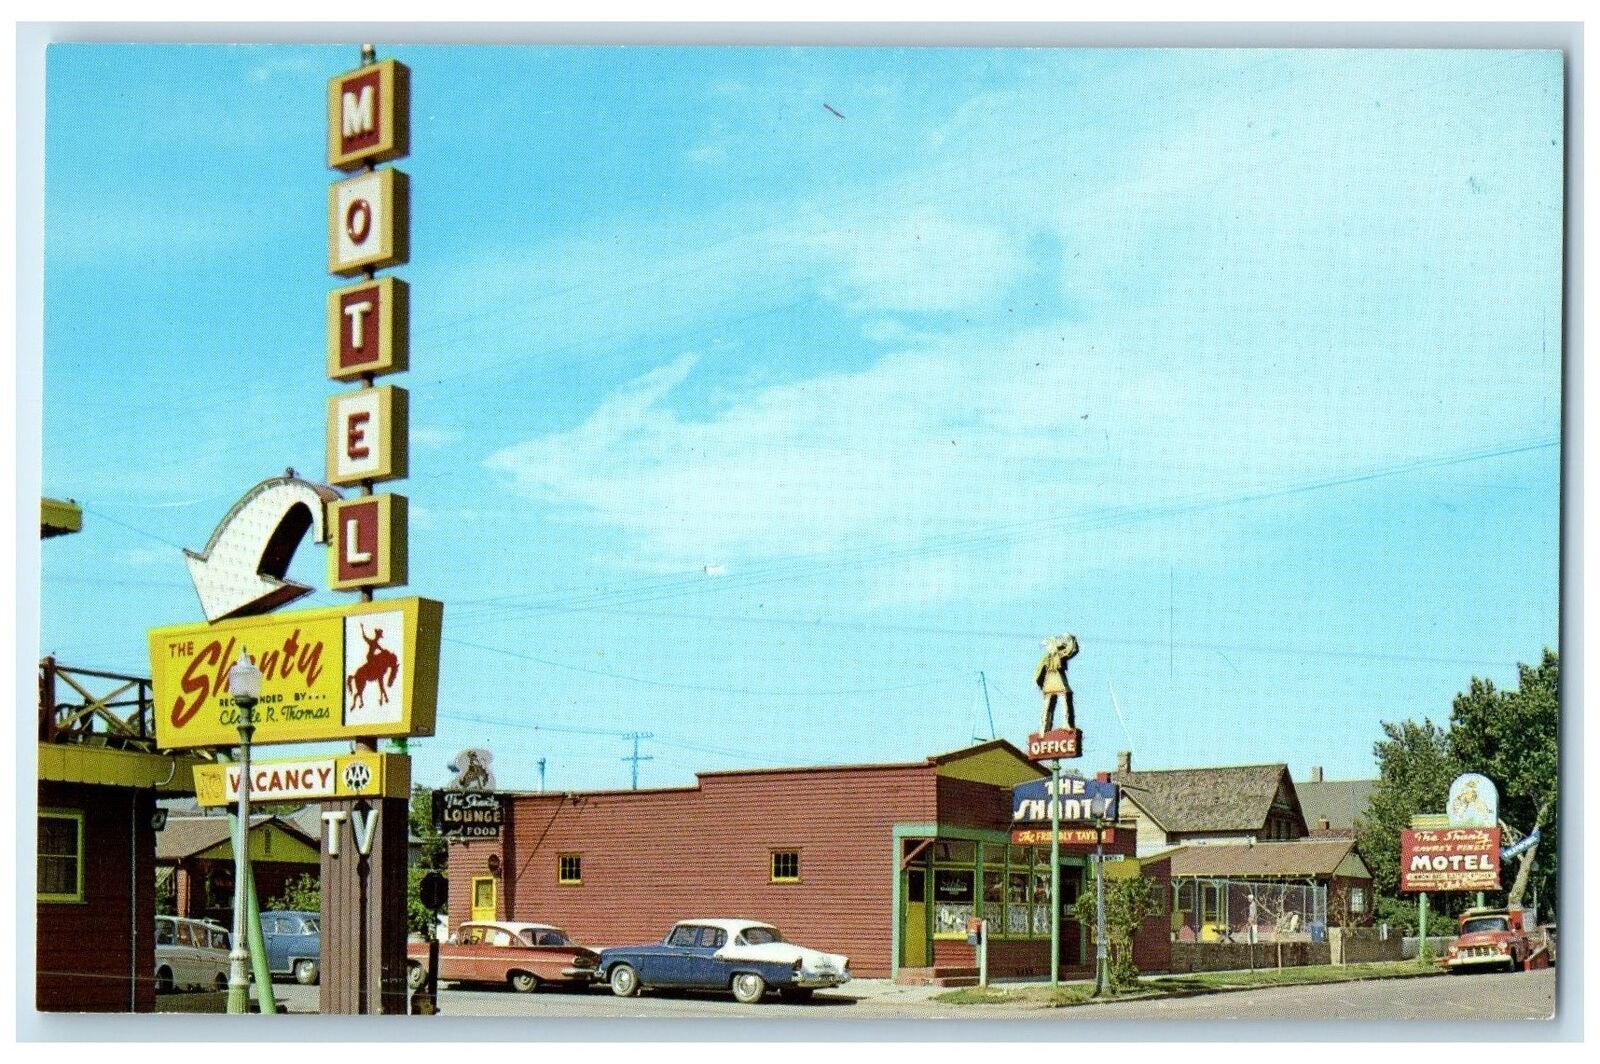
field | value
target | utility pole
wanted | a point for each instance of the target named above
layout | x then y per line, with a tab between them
984	681
638	757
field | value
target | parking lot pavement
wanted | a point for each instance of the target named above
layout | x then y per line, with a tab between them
1514	996
860	998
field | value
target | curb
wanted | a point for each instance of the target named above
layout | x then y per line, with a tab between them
1203	992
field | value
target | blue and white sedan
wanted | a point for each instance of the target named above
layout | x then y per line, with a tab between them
748	957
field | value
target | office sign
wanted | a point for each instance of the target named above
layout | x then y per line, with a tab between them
1450	859
302	779
369	669
1055	744
369	115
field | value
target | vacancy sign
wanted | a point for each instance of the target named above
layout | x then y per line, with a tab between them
367	329
369	115
369	542
358	775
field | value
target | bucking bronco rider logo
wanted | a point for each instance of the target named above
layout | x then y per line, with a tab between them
379	668
374	668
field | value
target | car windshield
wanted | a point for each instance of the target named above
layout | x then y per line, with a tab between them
310	927
1484	923
535	936
760	936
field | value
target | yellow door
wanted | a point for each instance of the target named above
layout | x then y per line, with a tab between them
915	932
483	898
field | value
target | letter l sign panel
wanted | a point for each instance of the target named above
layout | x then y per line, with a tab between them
369	542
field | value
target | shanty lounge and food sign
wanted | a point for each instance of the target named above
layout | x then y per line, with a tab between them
361	775
467	814
368	669
1450	859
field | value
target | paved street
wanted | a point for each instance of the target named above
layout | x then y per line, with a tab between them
1486	997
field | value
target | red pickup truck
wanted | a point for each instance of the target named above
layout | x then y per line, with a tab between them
1496	939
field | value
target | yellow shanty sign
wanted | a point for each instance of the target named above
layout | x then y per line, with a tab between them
367	670
304	779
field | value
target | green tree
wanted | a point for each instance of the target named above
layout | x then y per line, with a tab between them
1416	763
1128	903
300	895
433	856
1511	737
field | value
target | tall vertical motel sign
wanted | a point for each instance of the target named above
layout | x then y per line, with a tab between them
364	879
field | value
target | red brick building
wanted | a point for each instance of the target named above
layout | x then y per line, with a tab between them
884	863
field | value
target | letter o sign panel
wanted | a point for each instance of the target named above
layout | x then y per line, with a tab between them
369	222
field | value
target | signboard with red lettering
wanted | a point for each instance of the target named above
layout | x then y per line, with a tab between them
1055	744
369	115
367	435
1449	859
368	329
369	542
369	222
357	671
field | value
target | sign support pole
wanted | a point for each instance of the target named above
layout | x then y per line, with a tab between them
1100	966
1422	926
1055	873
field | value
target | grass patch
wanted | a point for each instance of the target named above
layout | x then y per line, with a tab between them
1045	997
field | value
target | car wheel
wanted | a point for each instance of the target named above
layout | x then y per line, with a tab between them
624	981
164	983
306	972
523	982
416	976
799	994
748	988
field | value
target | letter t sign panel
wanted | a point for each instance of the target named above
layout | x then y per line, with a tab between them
369	542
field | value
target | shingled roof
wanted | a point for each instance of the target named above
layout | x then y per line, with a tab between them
185	836
1339	802
1303	858
1183	800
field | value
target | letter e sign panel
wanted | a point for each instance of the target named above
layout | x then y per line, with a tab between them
369	219
368	329
367	435
369	115
369	542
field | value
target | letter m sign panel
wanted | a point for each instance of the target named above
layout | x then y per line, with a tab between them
369	115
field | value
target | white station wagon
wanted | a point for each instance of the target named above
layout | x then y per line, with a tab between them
190	955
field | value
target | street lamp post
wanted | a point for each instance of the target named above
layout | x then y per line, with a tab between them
1101	975
244	684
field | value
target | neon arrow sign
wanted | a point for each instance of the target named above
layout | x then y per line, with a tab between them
242	570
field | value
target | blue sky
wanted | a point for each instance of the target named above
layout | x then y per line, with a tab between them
1242	366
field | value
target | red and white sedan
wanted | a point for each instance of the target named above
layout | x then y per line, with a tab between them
522	956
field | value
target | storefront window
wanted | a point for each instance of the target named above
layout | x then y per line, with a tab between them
994	894
60	855
955	851
954	898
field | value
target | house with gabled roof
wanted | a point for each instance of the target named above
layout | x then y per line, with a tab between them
1196	806
1333	808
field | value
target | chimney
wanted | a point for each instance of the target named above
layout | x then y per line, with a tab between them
1316	774
1324	825
1125	761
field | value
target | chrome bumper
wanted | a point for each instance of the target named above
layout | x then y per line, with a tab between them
820	980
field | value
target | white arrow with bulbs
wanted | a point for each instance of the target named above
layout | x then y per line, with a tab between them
242	570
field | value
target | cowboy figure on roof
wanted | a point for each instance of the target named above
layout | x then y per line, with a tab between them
1051	679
